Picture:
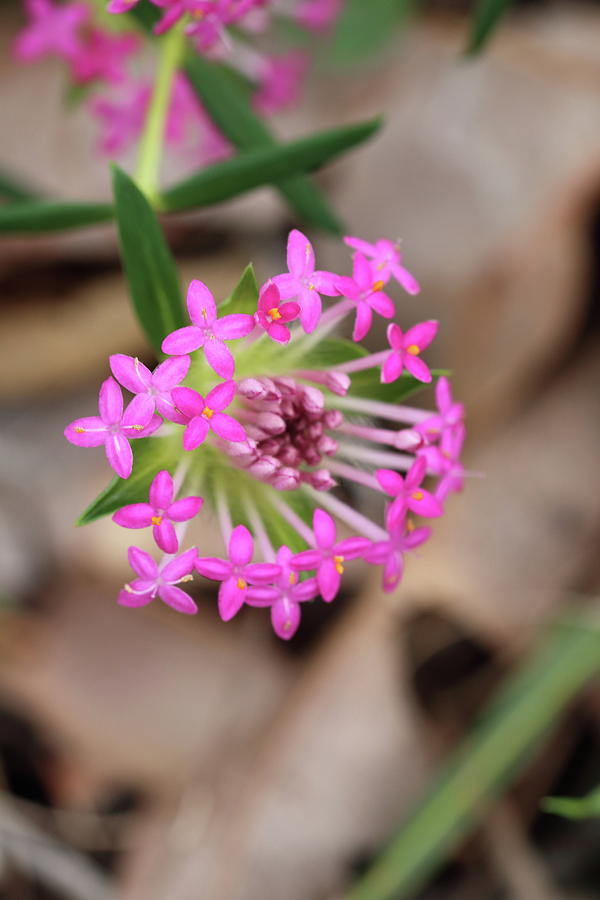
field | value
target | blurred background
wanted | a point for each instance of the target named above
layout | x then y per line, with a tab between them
144	756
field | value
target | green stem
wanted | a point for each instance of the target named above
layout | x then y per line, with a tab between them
151	144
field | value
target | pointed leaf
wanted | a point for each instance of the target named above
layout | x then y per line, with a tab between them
14	189
40	216
153	283
244	296
485	18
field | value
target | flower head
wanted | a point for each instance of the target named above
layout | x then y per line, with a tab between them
328	556
364	290
272	315
154	580
115	428
405	350
53	29
390	553
204	414
303	282
408	492
157	385
385	258
102	56
284	596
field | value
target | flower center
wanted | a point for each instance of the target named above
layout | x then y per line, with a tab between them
378	285
339	568
79	430
292	578
410	525
207	412
156	520
418	495
242	585
414	350
274	314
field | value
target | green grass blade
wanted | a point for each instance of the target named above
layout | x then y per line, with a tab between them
14	189
485	18
149	265
41	216
587	807
254	168
522	714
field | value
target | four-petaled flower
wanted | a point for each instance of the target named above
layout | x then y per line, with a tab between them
237	572
329	556
157	385
161	511
205	413
272	314
115	428
364	288
285	596
303	283
52	29
162	580
450	414
103	56
405	350
408	492
208	331
390	553
385	258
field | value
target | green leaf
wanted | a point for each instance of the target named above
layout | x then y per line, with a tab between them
227	103
149	266
14	189
150	455
244	296
40	216
262	166
363	29
367	384
574	807
485	18
525	710
329	352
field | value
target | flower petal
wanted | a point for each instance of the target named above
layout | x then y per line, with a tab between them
228	428
324	529
136	515
195	433
119	454
363	321
310	309
352	547
300	254
269	296
358	244
415	474
382	304
362	272
183	341
231	598
179	567
424	504
328	579
395	336
188	401
185	508
417	367
126	598
443	394
213	567
130	372
405	279
278	332
166	537
201	304
287	285
241	546
421	334
177	599
152	426
161	491
87	432
142	563
219	358
138	413
170	373
390	481
236	325
221	396
285	618
326	283
305	590
289	311
262	596
392	367
306	560
262	573
110	402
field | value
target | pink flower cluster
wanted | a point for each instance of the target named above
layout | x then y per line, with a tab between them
285	429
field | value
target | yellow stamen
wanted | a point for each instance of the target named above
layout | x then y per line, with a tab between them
189	577
274	313
128	589
392	581
156	520
79	429
418	495
136	364
242	584
204	315
207	412
287	625
138	427
378	285
339	568
293	578
311	287
410	525
414	350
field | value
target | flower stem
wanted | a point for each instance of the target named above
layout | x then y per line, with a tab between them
151	144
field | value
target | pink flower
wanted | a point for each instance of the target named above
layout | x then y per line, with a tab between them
160	512
328	557
303	283
390	553
208	332
280	82
406	349
207	414
157	385
121	119
450	414
161	580
52	29
318	15
115	428
236	572
385	258
408	492
444	460
176	10
103	56
272	314
365	290
284	597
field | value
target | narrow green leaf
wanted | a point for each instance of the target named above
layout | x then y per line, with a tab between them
40	216
262	166
149	266
150	455
244	296
574	807
523	713
14	189
228	105
485	18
